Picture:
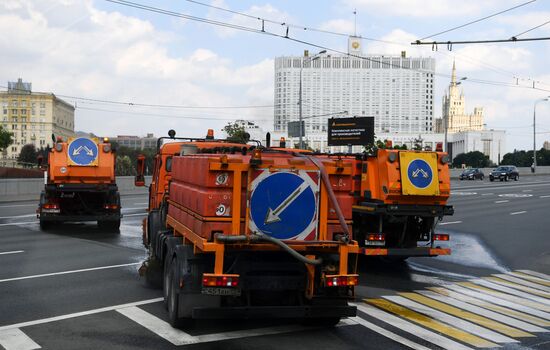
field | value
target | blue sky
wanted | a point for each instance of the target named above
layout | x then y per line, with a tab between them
105	51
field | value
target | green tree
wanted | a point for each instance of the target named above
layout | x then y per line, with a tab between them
124	166
28	155
473	159
6	138
236	133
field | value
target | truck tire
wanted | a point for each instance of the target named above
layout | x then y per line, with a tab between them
174	299
45	225
321	321
109	226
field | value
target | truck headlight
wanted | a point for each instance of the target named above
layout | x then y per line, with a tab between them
106	148
445	159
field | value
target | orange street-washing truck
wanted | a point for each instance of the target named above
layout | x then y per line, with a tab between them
255	232
80	184
402	197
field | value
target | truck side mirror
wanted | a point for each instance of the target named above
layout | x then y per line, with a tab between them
139	180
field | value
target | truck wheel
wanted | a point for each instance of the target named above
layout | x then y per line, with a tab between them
516	178
322	321
45	225
491	179
174	299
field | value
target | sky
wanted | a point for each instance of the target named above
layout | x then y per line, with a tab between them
102	51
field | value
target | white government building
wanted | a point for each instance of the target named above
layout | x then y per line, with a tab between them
398	91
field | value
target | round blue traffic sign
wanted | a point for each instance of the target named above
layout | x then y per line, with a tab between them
283	205
420	173
83	151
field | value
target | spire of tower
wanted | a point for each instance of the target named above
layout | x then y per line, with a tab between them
453	76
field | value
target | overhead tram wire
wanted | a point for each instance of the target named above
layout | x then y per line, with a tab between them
491	67
527	31
264	32
478	20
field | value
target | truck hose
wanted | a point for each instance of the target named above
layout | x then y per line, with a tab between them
332	197
261	237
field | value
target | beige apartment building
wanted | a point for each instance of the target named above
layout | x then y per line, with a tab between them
33	117
454	104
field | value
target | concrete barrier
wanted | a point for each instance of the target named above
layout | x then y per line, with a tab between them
29	189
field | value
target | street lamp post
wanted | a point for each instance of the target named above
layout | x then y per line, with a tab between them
535	132
300	118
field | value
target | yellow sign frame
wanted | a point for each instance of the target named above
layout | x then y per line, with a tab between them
408	188
70	162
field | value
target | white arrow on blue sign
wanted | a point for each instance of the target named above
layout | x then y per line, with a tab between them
283	205
83	151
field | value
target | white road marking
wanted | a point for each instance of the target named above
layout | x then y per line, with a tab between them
527	191
536	274
500	299
18	205
522	282
504	201
12	252
138	214
451	320
518	212
15	339
450	223
18	216
179	337
388	334
499	305
158	326
519	286
68	272
545	196
141	203
530	278
411	328
487	194
20	223
483	312
136	208
79	314
512	291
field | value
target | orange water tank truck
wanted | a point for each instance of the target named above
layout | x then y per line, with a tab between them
402	197
254	232
80	184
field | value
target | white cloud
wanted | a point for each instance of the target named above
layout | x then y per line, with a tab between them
112	56
428	8
340	25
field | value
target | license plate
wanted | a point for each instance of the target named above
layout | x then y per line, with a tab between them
221	291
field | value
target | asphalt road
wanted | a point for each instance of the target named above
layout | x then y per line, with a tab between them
77	287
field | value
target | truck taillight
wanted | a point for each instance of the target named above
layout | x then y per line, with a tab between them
111	206
50	206
377	239
341	280
441	237
211	280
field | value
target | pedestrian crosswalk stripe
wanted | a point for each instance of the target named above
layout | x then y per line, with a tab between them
512	298
395	337
474	318
513	291
530	278
411	328
518	286
157	326
536	274
502	302
430	323
522	282
519	324
15	339
456	322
